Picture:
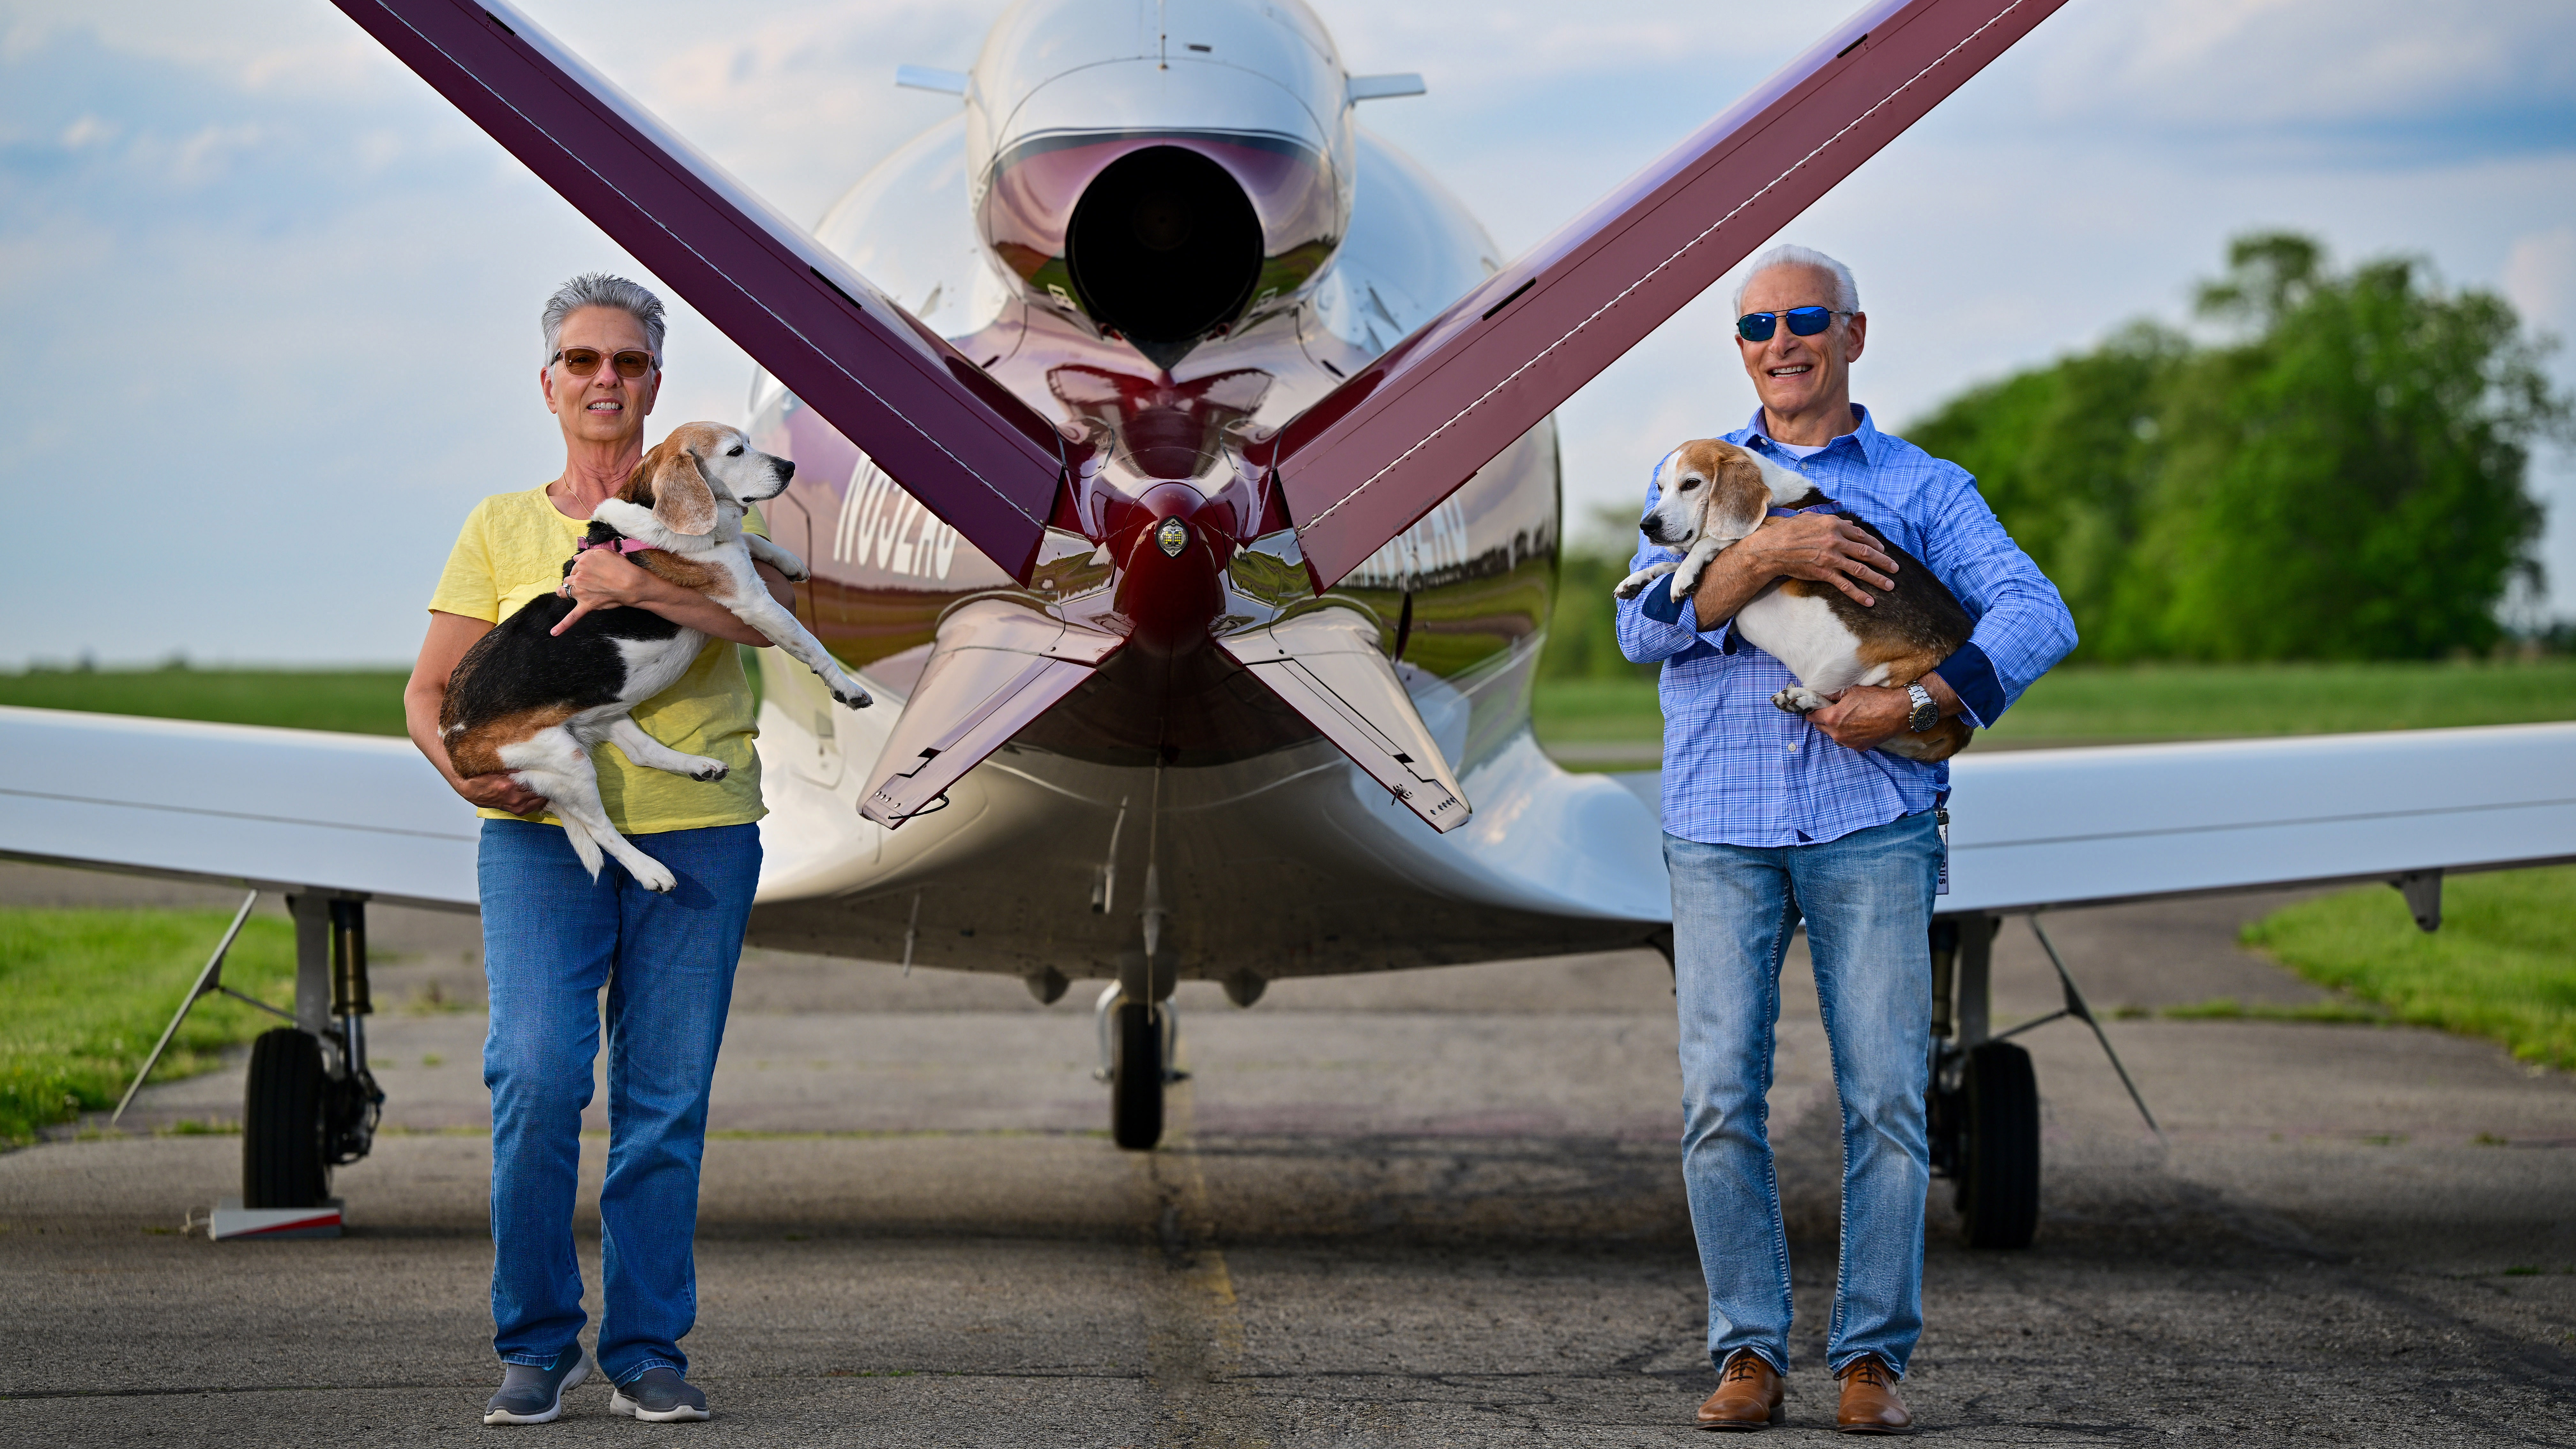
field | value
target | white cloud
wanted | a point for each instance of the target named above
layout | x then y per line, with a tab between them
2540	277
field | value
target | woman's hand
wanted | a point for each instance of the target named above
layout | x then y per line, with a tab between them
603	578
501	792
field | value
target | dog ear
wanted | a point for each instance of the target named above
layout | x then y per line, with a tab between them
670	483
1739	497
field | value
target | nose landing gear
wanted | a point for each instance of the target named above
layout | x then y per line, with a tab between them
1138	1043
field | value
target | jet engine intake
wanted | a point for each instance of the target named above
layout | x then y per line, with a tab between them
1164	248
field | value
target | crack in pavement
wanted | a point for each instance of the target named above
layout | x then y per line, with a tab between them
1194	1342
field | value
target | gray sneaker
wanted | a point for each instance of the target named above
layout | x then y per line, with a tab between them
658	1396
532	1395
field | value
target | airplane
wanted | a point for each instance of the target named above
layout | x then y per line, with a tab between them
1175	463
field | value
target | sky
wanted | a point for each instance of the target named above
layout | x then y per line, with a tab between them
267	303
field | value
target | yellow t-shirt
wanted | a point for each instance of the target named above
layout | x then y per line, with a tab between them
512	549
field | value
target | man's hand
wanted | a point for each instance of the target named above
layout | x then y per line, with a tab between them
1815	546
1820	547
1866	716
501	792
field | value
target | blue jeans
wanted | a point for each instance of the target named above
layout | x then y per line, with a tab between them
551	938
1867	901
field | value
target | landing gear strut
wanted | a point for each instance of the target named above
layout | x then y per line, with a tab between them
1984	1109
312	1104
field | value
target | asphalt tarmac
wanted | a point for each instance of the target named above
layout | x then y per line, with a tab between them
1438	1207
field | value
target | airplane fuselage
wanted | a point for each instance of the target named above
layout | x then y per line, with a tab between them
1171	798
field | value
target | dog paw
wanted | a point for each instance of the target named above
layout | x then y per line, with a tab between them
853	696
1682	583
1800	700
1631	586
702	768
653	876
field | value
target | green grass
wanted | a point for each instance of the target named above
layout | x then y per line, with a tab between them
88	992
2228	1008
356	701
2503	965
2170	701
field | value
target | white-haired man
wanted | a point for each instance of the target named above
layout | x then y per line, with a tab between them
1771	819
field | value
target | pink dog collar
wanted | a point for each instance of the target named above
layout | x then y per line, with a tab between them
623	546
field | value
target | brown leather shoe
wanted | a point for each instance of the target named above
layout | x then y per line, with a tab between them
1748	1394
1870	1404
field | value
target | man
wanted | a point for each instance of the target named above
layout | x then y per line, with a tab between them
1770	818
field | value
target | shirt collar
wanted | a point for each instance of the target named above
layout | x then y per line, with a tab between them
1864	436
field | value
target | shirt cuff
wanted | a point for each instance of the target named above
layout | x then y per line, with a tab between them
1659	605
1971	676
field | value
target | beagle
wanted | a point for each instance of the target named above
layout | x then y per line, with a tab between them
550	682
1714	494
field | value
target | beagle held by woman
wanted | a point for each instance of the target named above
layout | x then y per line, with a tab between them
546	685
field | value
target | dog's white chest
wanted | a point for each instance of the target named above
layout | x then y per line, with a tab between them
1803	632
654	665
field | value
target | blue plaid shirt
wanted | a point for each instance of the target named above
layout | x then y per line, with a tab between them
1738	770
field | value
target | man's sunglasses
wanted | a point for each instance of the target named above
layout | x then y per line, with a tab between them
583	361
1803	322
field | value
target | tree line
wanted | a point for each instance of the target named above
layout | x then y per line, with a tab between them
2334	467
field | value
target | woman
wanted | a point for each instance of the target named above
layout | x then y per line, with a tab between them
552	936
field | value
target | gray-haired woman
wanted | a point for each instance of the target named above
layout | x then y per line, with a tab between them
553	936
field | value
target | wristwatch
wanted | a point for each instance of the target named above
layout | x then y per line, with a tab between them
1926	712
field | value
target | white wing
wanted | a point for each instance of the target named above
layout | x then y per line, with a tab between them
2067	827
268	808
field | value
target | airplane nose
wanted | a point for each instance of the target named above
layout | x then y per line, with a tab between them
1171	549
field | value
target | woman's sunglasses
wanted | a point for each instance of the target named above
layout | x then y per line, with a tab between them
583	361
1803	322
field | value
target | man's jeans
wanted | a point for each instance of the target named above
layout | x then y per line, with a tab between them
1867	901
551	938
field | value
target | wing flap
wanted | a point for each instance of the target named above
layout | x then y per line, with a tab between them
973	453
995	666
1326	666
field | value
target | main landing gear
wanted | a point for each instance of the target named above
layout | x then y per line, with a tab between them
312	1104
1984	1108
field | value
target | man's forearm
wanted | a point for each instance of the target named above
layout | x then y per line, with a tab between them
1725	587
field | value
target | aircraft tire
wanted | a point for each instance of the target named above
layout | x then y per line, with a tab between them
1998	1147
1136	1079
282	1160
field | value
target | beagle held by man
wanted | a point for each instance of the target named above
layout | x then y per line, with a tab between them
1713	495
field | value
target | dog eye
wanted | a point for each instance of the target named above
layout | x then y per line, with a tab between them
734	452
1689	483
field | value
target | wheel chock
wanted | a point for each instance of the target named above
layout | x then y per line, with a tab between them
232	1220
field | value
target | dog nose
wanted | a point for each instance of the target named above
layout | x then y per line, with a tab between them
786	469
